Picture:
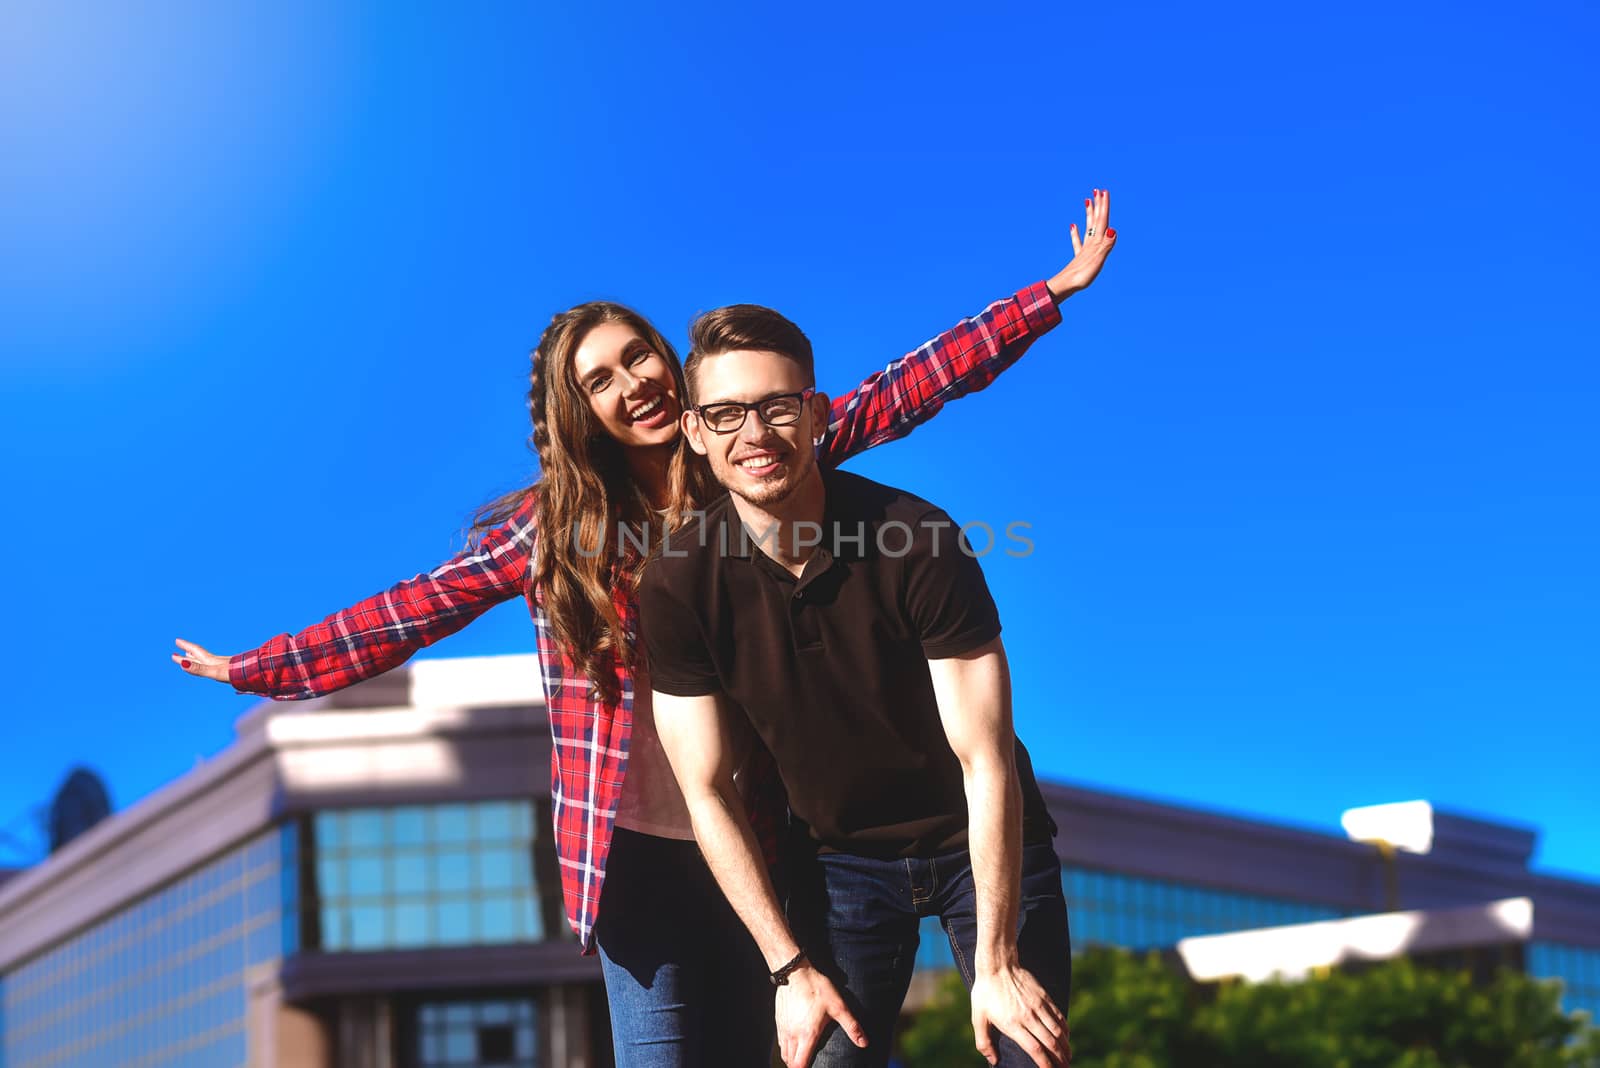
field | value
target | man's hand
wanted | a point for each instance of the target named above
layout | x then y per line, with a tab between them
1012	1002
804	1006
197	661
1089	251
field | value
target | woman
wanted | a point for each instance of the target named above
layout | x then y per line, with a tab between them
606	395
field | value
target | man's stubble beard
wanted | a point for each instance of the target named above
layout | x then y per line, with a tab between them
766	494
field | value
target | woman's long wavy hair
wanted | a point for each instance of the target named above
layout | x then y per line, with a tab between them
585	494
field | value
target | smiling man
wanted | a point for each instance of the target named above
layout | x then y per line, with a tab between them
849	625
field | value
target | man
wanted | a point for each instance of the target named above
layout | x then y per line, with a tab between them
849	625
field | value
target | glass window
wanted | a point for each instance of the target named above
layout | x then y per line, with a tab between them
366	875
452	823
330	830
418	875
476	1034
495	823
1143	913
452	870
532	922
501	869
1578	970
411	873
364	829
410	826
367	927
452	922
933	949
160	983
497	919
330	877
411	924
335	928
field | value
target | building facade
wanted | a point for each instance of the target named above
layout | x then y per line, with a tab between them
367	881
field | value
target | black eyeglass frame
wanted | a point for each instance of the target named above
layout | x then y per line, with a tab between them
803	396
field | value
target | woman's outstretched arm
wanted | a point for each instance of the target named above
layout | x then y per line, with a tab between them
891	403
384	630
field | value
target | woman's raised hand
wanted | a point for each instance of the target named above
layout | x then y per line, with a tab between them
1089	250
197	661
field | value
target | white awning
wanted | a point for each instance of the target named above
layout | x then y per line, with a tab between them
1292	952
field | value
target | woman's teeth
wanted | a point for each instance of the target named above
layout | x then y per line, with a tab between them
647	409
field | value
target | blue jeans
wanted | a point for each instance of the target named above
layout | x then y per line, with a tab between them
685	981
858	919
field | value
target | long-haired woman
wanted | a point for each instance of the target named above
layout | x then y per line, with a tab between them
685	983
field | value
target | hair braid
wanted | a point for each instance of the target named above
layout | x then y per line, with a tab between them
537	404
584	490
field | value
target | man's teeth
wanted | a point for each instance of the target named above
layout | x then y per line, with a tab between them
645	409
758	461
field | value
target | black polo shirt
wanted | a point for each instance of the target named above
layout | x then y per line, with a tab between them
832	668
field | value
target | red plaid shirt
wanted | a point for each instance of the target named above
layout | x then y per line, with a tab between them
590	753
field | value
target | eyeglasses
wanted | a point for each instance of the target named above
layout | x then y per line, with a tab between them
725	417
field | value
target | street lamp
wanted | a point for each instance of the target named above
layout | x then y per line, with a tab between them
1401	826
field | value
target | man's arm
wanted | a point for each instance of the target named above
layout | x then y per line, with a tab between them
974	695
696	737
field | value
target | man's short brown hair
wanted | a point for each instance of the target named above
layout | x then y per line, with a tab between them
745	326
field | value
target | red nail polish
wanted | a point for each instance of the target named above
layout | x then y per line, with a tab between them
1111	232
186	665
1086	202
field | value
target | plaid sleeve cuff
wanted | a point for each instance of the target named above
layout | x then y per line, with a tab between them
244	673
252	673
1039	309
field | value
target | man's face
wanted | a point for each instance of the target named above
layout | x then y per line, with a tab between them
762	464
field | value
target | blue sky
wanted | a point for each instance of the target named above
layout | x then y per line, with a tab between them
1311	470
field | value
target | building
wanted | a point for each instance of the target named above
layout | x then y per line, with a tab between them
367	881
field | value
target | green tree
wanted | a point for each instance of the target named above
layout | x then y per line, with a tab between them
1397	1015
1131	1011
941	1034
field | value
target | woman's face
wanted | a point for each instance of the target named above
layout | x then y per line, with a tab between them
629	386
